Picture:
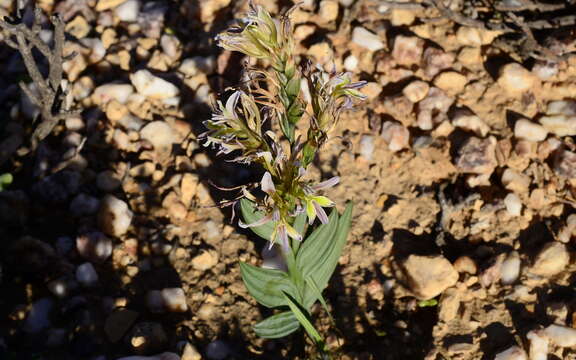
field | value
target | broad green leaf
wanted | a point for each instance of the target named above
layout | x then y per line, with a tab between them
322	269
251	215
267	285
277	326
318	293
303	319
318	243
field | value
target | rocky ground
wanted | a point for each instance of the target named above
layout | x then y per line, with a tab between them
461	166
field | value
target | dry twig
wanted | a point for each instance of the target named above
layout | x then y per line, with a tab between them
51	97
510	22
524	5
402	5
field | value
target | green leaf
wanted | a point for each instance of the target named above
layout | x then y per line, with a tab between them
317	244
323	269
267	285
318	293
328	252
5	180
277	326
251	215
428	303
303	319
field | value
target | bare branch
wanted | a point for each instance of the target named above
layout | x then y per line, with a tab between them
403	5
529	5
51	97
58	54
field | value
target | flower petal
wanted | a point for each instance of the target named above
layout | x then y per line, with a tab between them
266	219
323	201
231	104
321	213
310	211
282	237
292	232
333	181
267	184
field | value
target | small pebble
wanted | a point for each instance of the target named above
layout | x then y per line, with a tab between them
328	11
174	299
197	65
566	233
119	92
545	70
351	63
190	352
367	39
417	90
367	146
561	107
516	80
510	268
128	11
160	134
538	345
396	136
206	260
147	337
465	264
467	120
114	216
468	36
551	260
435	60
86	275
527	130
452	82
429	276
513	353
94	246
560	125
432	109
217	350
83	205
477	156
513	204
153	86
102	5
407	50
562	336
565	164
515	181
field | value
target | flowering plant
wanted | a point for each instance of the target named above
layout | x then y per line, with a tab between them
285	214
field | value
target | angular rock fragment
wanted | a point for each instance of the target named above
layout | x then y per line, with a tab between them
477	156
429	276
551	260
407	50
